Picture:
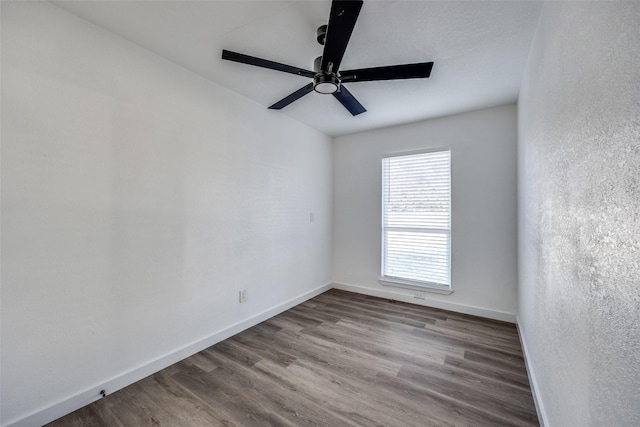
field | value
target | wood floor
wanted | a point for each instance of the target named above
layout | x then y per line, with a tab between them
340	359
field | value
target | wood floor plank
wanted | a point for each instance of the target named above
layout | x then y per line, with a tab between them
339	359
313	312
285	400
346	309
469	342
256	345
426	399
217	389
402	339
187	408
380	347
333	398
361	398
382	311
496	358
345	360
484	394
516	378
142	411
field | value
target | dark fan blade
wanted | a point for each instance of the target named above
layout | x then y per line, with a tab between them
342	19
349	101
293	97
392	72
252	60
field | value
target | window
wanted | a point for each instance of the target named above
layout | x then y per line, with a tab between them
416	220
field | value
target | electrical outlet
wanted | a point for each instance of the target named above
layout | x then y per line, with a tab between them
419	295
312	217
243	295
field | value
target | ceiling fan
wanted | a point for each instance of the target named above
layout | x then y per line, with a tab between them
327	77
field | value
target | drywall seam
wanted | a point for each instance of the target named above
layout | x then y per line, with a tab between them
459	308
537	399
77	401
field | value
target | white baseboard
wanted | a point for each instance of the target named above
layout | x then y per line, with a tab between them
77	401
542	415
451	306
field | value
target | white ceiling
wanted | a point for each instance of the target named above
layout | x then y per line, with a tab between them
479	49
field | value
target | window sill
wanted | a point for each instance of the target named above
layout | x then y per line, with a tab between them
416	286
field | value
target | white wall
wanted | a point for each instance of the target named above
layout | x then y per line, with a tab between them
137	199
579	213
483	150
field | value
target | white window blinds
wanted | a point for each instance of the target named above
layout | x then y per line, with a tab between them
416	218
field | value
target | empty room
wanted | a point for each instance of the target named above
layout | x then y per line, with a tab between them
332	213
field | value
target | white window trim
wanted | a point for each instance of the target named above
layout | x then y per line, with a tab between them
398	282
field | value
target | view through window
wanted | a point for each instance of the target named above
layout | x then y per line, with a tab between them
416	219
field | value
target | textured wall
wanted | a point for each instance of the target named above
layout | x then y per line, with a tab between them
579	212
137	199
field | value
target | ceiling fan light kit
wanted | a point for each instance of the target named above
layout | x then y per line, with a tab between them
326	83
326	76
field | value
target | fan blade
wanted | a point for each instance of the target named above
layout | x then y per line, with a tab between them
349	101
392	72
264	63
342	19
293	97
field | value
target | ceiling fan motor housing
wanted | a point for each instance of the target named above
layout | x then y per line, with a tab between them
326	83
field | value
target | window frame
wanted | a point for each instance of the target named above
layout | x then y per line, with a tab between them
417	285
